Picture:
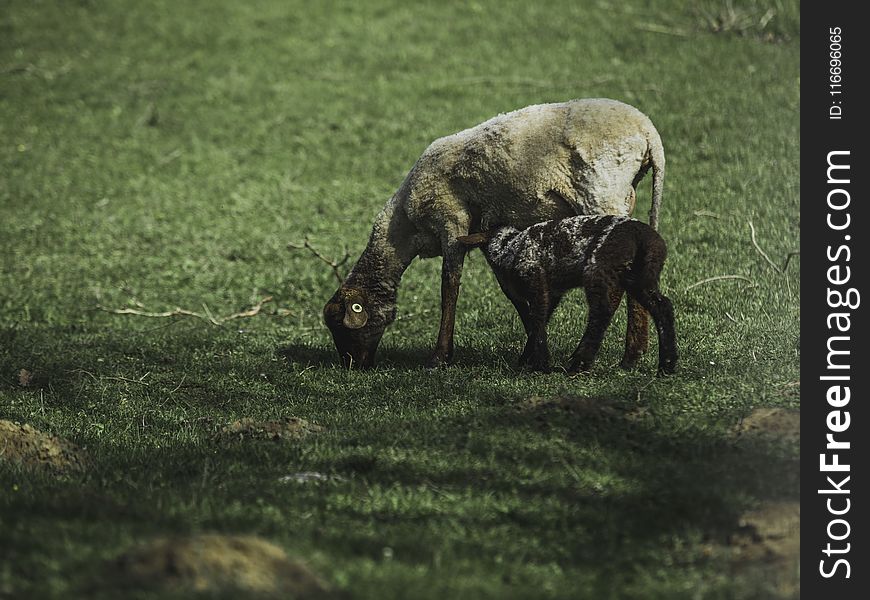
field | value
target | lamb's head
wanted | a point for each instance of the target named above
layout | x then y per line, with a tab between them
357	322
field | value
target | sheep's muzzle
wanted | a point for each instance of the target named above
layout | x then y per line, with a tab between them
356	347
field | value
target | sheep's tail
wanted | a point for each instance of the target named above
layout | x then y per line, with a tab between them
657	157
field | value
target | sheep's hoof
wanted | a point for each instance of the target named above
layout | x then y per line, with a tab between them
437	361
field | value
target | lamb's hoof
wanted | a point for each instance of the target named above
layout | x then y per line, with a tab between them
665	369
629	363
536	368
578	367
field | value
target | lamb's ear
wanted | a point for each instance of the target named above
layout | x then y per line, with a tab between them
355	315
474	240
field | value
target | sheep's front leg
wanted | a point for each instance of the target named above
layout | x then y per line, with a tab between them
451	274
603	299
636	334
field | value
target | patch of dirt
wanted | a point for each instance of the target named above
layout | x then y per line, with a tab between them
289	428
217	563
310	477
26	445
578	405
768	539
25	378
781	423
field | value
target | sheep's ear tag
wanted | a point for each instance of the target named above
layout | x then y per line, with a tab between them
355	316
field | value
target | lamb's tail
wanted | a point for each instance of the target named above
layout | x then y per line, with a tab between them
646	267
657	158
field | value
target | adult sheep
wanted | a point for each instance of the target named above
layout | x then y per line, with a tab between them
542	162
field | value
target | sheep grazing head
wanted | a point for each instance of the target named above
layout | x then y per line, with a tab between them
355	327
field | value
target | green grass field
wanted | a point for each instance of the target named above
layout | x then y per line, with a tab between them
162	154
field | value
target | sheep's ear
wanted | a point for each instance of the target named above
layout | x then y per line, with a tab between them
355	315
474	240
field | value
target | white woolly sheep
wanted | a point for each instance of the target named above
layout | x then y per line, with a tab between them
605	255
541	162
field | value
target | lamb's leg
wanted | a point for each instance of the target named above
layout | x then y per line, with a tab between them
636	334
451	274
523	311
603	298
662	311
540	309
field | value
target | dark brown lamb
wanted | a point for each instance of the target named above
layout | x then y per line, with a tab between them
607	256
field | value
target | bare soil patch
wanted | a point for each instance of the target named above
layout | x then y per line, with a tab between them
287	429
212	563
768	540
577	405
26	445
780	423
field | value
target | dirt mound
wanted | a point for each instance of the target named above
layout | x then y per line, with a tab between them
214	563
26	445
289	428
771	532
781	423
578	405
584	407
768	539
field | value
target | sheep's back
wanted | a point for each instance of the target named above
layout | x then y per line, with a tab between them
537	163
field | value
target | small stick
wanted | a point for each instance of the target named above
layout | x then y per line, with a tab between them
180	312
789	257
718	278
251	312
760	251
656	28
157	315
334	264
412	315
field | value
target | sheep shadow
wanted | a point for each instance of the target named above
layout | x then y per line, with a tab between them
388	357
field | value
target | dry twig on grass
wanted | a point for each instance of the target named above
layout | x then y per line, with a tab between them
181	312
758	248
335	265
719	278
788	258
764	254
656	28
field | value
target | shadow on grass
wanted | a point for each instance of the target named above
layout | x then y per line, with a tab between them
618	484
388	357
538	483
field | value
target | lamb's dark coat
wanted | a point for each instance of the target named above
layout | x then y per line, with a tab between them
606	255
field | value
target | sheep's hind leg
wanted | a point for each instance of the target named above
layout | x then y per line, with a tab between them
603	300
636	334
